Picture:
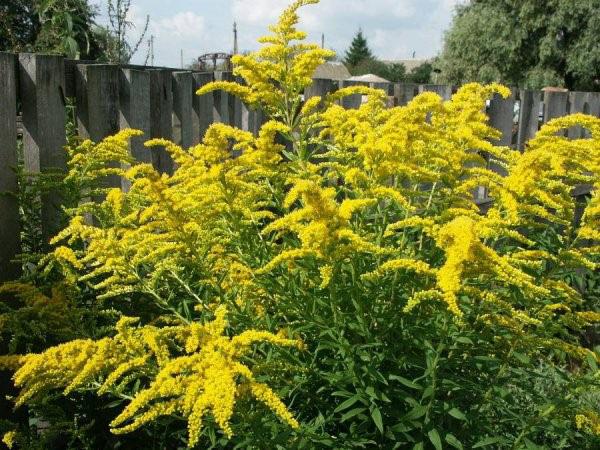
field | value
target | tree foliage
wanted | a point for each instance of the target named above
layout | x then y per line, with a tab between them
19	25
394	72
525	43
49	26
359	51
117	47
421	74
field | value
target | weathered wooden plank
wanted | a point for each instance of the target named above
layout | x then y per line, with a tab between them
202	107
555	105
578	102
501	114
404	93
97	104
41	86
443	90
161	117
97	93
258	119
320	88
71	74
529	116
501	117
10	230
134	102
182	109
352	101
239	109
593	101
224	102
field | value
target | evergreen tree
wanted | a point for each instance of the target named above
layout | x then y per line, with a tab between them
359	50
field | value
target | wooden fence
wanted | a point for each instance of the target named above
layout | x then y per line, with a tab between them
161	102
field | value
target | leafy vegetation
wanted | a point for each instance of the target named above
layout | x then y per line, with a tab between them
333	285
68	27
525	43
360	61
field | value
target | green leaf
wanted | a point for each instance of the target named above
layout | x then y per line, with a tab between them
370	391
415	413
435	439
453	441
376	415
406	382
347	403
522	358
352	413
419	446
457	414
464	340
488	441
529	445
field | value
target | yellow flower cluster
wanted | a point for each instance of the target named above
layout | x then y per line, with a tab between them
208	377
322	225
9	439
588	422
277	74
169	222
322	184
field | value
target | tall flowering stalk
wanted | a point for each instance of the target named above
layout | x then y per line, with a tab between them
357	231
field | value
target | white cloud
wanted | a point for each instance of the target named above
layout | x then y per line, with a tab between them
186	25
394	28
257	11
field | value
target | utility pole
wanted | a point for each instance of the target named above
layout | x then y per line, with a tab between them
182	58
322	40
235	39
152	50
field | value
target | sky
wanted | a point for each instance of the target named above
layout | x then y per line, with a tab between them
394	28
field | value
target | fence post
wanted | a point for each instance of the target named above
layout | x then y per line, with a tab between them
202	107
182	109
98	111
10	231
593	101
579	104
351	101
257	120
405	92
443	90
320	88
555	105
501	114
224	102
161	116
529	116
134	102
42	87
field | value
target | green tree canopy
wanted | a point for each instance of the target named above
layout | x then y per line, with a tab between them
526	43
51	26
359	51
421	74
394	72
19	24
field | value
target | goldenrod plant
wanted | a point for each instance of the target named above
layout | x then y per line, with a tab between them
331	282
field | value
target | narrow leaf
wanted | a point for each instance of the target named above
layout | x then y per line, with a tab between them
376	415
435	439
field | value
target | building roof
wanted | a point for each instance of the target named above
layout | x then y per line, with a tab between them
332	70
368	78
